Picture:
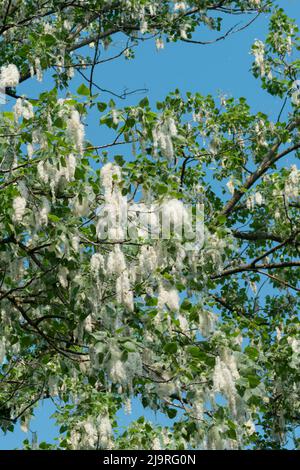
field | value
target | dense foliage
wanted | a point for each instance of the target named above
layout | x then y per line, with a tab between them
205	331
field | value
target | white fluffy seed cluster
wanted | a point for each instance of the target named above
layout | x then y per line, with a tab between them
63	276
75	130
2	349
230	186
292	184
259	55
124	293
123	372
144	220
295	96
37	69
255	3
117	372
207	322
94	433
114	208
162	135
148	260
53	174
105	431
19	207
113	213
9	76
174	214
168	298
156	444
225	375
23	109
110	177
260	131
127	406
42	215
295	346
253	200
159	43
180	6
97	264
116	263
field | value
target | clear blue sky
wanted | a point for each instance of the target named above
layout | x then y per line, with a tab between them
222	67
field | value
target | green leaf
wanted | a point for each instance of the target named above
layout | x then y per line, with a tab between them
49	40
253	380
151	301
222	219
253	353
144	102
119	159
186	305
196	352
53	218
83	90
231	433
101	106
129	346
171	348
171	413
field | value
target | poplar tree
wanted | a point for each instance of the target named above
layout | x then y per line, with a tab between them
204	330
